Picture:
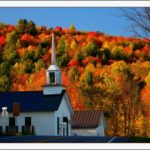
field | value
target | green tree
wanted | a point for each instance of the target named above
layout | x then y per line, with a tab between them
40	64
29	66
40	51
73	74
4	69
63	60
4	83
2	25
117	53
91	49
89	78
32	28
18	44
31	55
79	56
21	26
105	55
9	54
72	29
24	26
61	47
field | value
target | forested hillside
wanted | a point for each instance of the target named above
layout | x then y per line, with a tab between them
99	71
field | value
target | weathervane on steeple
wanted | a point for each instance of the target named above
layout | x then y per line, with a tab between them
53	53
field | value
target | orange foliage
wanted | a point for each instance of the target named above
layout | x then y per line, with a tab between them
21	51
34	81
80	38
38	80
146	102
31	47
127	50
72	92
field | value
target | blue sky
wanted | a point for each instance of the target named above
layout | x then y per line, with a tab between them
106	20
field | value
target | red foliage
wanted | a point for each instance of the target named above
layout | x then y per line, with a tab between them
26	37
2	40
120	39
145	40
58	28
92	34
47	58
24	77
111	61
73	63
92	59
146	50
69	40
10	28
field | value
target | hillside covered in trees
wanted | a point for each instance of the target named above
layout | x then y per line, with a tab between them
99	71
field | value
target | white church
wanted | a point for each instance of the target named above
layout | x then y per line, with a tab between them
48	112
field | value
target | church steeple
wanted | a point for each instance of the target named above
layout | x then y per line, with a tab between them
53	73
53	59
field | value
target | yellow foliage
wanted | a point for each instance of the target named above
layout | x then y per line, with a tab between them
73	44
90	67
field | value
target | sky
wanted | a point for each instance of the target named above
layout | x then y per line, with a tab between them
107	20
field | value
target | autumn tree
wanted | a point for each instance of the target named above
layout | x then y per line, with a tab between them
92	94
130	99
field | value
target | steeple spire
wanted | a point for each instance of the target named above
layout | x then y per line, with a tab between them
53	60
53	74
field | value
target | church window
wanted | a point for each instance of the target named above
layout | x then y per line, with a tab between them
27	121
52	77
11	121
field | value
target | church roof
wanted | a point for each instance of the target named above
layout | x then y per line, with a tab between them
31	101
86	119
54	68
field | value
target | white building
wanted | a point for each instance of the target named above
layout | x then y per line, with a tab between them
88	123
46	112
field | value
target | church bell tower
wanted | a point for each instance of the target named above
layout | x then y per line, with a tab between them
53	74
